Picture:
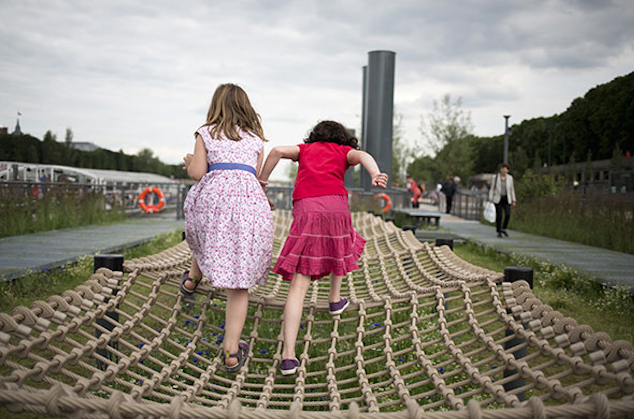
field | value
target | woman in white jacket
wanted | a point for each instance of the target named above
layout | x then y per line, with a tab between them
502	194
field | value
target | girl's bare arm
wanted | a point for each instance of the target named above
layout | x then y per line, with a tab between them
367	161
196	164
280	152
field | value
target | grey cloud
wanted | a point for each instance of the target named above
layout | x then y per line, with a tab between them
135	72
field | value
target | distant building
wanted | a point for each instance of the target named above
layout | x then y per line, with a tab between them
17	130
33	172
84	146
4	130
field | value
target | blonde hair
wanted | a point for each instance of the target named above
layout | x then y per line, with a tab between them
230	108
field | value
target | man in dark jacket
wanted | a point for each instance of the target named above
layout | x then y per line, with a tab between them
449	188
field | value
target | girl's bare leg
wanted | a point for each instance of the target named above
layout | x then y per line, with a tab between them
293	312
235	316
335	288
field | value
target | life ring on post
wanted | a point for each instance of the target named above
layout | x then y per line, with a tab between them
386	199
150	209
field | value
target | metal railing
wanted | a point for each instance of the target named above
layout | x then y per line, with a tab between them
469	204
360	200
121	195
126	195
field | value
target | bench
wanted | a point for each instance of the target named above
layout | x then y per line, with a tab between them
422	215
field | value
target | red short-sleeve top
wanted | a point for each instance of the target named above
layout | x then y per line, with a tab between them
321	170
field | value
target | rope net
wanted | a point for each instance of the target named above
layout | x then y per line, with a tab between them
427	335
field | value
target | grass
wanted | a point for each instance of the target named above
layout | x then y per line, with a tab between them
46	282
590	221
605	309
56	209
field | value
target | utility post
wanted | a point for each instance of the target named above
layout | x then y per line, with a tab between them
506	138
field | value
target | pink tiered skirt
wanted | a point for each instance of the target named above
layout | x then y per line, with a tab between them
321	240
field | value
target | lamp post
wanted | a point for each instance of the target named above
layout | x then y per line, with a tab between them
506	138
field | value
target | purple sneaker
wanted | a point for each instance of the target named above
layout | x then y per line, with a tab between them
338	308
289	366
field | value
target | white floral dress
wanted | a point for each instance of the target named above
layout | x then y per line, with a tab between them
228	221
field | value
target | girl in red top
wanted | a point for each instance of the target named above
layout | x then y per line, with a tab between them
321	239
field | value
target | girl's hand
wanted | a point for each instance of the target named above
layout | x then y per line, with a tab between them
187	160
380	180
263	185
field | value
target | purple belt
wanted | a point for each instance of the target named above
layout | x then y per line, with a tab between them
232	166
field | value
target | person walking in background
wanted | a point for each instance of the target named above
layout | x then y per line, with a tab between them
502	194
441	199
228	219
449	189
321	240
414	189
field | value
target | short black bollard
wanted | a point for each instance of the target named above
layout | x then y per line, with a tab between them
512	274
518	273
184	236
114	263
445	242
409	228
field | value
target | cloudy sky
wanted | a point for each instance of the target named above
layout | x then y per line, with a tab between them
134	74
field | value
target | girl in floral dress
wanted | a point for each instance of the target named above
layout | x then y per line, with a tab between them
229	224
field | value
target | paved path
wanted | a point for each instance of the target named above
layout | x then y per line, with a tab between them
19	254
607	266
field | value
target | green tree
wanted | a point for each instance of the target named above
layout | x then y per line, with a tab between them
49	136
32	156
537	164
145	161
537	186
122	163
399	151
447	131
519	162
618	159
69	137
571	169
423	169
588	169
50	149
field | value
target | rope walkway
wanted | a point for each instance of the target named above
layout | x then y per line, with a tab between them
427	335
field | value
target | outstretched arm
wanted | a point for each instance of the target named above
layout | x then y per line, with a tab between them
367	161
280	152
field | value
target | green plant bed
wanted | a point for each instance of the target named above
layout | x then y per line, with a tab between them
606	309
54	210
545	208
595	221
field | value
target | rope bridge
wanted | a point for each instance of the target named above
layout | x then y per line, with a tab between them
428	335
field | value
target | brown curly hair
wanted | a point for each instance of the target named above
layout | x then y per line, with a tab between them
332	132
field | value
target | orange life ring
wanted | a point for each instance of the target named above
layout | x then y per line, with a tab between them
150	209
386	199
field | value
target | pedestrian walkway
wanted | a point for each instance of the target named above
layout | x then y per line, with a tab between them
614	268
50	249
